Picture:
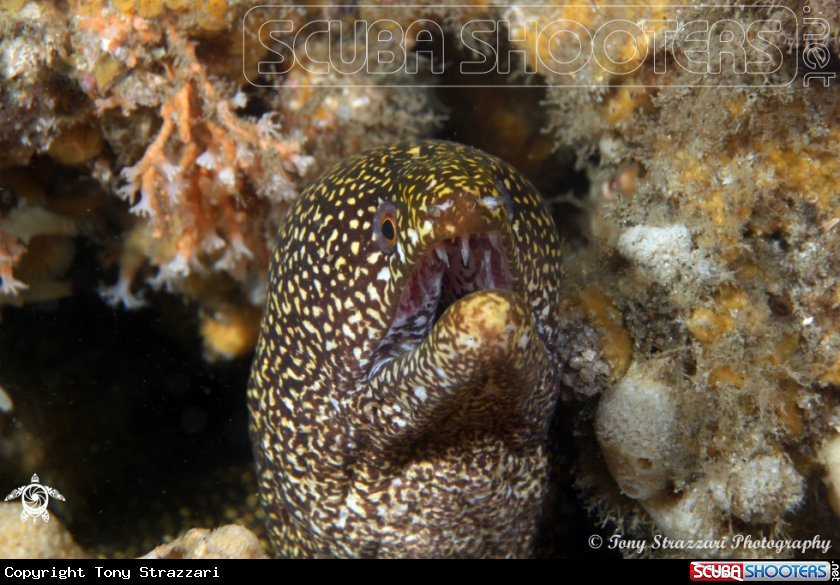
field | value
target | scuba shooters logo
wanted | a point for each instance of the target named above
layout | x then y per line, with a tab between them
716	51
35	498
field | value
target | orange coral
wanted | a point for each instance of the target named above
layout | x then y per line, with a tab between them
196	179
210	14
10	253
616	343
210	184
231	333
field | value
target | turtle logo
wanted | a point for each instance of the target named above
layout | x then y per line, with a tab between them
35	499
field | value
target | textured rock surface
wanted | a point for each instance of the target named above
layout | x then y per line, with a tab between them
227	542
637	424
34	540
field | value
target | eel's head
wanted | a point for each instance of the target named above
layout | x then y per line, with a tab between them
465	279
447	234
391	244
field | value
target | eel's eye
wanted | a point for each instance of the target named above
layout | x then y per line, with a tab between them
385	227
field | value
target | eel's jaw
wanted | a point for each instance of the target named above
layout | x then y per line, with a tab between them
450	270
483	366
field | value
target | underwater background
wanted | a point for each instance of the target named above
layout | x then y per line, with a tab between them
148	152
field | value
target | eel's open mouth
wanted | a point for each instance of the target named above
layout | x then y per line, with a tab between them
448	271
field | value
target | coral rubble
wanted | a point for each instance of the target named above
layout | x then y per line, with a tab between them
30	540
227	542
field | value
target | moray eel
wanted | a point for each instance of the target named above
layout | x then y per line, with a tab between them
406	371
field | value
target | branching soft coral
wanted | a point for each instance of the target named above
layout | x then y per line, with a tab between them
197	182
10	253
207	184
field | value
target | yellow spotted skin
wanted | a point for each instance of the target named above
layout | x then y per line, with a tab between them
441	452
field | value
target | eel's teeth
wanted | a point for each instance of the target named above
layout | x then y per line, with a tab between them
465	249
487	269
494	240
444	257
